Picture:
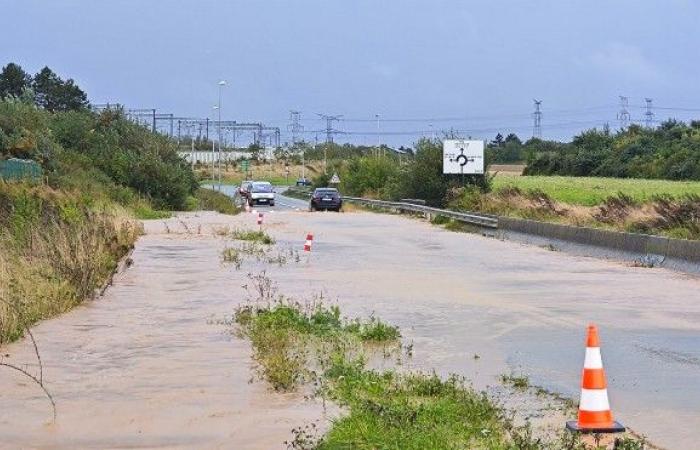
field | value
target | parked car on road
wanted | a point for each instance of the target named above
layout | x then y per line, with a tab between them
326	198
303	182
261	192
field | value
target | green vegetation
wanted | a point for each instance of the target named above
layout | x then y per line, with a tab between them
677	217
302	193
591	191
297	344
392	177
414	411
62	236
56	249
517	381
255	236
46	89
670	151
209	200
282	331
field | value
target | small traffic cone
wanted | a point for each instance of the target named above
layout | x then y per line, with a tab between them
594	414
309	240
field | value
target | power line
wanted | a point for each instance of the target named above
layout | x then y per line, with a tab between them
426	132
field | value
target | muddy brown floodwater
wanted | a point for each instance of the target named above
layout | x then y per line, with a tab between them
144	366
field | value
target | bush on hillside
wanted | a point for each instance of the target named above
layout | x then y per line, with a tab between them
106	149
422	177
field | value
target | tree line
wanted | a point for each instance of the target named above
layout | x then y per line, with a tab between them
46	119
45	89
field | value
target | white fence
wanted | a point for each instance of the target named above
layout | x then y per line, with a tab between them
225	155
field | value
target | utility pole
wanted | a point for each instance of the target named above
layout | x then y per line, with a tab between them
624	115
296	128
537	117
649	114
153	129
192	151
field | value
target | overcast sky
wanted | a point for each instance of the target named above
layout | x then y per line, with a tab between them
474	66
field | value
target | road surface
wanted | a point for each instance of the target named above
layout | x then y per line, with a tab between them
150	364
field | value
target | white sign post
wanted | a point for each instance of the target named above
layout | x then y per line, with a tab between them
463	157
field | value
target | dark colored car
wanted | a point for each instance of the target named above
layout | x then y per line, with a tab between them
244	190
303	182
326	198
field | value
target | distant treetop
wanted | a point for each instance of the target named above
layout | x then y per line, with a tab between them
47	88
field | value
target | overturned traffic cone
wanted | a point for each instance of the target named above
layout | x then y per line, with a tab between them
309	240
594	414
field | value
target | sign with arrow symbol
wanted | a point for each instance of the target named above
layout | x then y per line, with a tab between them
464	157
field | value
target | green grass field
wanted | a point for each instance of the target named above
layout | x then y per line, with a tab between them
590	191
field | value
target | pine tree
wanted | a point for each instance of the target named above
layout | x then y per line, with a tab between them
13	81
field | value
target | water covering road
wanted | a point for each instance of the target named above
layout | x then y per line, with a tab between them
145	367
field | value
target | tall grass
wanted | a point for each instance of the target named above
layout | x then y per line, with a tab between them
592	191
55	251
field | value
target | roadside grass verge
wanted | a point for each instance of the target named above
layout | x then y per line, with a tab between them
210	200
301	193
592	191
413	411
56	250
275	173
667	215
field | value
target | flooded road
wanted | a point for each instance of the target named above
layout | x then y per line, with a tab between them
145	366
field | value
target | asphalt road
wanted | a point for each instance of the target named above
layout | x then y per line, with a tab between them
282	203
153	364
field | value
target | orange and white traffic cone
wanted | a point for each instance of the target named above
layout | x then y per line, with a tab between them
594	414
309	240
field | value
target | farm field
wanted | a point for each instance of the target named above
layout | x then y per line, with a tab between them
591	191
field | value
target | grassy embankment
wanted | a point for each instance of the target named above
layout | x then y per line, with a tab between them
669	208
57	248
61	238
260	171
301	344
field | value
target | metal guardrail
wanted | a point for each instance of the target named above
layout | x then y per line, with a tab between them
482	220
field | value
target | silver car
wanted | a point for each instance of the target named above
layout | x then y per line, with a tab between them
261	192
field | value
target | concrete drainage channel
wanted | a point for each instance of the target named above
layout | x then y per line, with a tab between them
639	249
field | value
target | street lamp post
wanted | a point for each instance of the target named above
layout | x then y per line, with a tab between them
222	83
379	136
213	159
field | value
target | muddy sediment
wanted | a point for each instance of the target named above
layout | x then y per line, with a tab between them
148	365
